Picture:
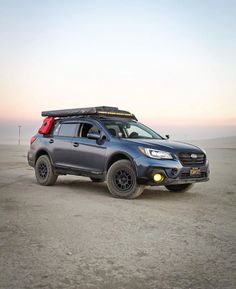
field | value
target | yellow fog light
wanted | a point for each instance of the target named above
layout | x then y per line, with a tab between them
158	178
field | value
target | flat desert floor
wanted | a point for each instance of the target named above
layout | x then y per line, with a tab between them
75	235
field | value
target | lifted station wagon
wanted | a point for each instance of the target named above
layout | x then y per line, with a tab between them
108	144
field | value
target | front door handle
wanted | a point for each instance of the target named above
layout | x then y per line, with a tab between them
75	144
51	140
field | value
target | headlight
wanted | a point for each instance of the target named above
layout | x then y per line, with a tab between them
156	154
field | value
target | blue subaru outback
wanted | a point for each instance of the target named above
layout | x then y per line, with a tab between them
108	144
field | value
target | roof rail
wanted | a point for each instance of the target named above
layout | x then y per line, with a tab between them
98	110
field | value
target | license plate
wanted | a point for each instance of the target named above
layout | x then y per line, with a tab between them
195	171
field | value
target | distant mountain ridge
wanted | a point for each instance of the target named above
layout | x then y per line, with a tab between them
223	142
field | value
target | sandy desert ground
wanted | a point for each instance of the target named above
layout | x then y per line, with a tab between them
75	235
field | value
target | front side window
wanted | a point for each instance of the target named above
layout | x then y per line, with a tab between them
86	128
67	129
130	129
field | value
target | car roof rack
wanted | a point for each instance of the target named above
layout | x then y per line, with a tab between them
98	111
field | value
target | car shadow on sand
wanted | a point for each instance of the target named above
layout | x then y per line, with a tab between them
160	193
149	193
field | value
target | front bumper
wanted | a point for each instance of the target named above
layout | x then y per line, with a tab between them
173	171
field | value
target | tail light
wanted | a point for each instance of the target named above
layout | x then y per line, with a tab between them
32	139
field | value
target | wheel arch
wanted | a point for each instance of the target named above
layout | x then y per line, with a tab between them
119	156
40	153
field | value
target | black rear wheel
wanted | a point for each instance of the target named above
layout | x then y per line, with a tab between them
44	171
179	188
121	180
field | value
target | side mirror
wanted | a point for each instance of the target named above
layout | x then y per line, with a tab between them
167	136
94	135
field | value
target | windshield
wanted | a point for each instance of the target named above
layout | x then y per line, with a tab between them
129	129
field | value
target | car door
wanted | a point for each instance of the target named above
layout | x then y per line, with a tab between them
89	154
61	144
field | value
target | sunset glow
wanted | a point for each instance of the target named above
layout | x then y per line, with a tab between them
169	62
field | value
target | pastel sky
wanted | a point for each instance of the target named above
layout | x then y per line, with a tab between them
171	62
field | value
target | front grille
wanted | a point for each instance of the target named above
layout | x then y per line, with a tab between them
192	159
188	176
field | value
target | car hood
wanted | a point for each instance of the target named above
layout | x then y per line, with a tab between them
166	145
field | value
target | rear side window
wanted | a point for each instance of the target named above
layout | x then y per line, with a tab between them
67	129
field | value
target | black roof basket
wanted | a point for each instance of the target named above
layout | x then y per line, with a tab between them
98	110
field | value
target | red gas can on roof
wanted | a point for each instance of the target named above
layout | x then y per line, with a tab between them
47	125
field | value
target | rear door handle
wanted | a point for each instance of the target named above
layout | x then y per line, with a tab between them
51	140
75	144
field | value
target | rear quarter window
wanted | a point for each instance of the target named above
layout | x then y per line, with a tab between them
56	129
67	129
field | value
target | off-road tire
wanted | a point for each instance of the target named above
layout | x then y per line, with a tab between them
97	180
121	180
44	171
181	188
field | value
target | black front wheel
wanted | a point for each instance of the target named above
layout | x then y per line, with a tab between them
121	180
44	171
179	188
